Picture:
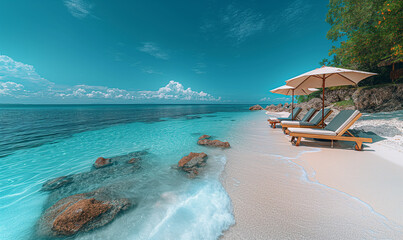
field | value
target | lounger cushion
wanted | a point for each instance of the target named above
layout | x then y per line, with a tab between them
296	111
279	119
297	123
308	115
318	117
274	119
341	120
289	122
312	131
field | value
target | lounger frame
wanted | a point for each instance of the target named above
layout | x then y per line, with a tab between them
296	137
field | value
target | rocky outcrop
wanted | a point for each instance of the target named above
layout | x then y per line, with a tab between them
366	99
313	103
256	107
80	213
383	99
56	183
204	137
278	108
192	163
213	143
337	95
102	162
380	99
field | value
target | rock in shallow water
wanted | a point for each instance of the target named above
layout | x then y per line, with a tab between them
80	212
56	183
192	159
120	170
102	162
68	191
204	137
77	215
192	163
213	143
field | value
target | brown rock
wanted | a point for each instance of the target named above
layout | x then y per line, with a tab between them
256	107
77	215
192	163
204	137
192	159
213	143
102	162
133	160
80	213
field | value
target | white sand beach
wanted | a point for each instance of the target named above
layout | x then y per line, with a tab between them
280	191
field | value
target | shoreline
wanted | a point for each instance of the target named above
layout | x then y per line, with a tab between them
256	178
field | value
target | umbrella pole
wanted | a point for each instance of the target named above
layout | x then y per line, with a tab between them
292	106
323	102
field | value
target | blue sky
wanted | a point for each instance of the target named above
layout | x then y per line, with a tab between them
156	51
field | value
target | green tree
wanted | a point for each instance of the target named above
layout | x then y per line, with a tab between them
366	32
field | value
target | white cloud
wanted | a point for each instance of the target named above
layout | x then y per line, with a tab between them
242	24
153	50
175	91
78	8
265	99
95	92
10	68
21	81
8	88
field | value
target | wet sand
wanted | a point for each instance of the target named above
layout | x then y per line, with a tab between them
280	191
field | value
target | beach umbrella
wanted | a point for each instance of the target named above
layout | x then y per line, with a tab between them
288	90
328	77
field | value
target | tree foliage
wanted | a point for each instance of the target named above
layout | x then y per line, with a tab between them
366	32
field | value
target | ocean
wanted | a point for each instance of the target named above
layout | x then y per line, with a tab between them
43	142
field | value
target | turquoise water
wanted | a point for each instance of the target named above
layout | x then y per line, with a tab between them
44	142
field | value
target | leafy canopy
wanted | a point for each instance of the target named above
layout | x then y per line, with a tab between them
368	32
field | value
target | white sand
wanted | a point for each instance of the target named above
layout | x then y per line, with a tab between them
280	191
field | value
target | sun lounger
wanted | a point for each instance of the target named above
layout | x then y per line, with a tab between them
274	121
309	115
315	122
336	130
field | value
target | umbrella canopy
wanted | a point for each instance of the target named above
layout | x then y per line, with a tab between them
332	76
328	77
288	90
